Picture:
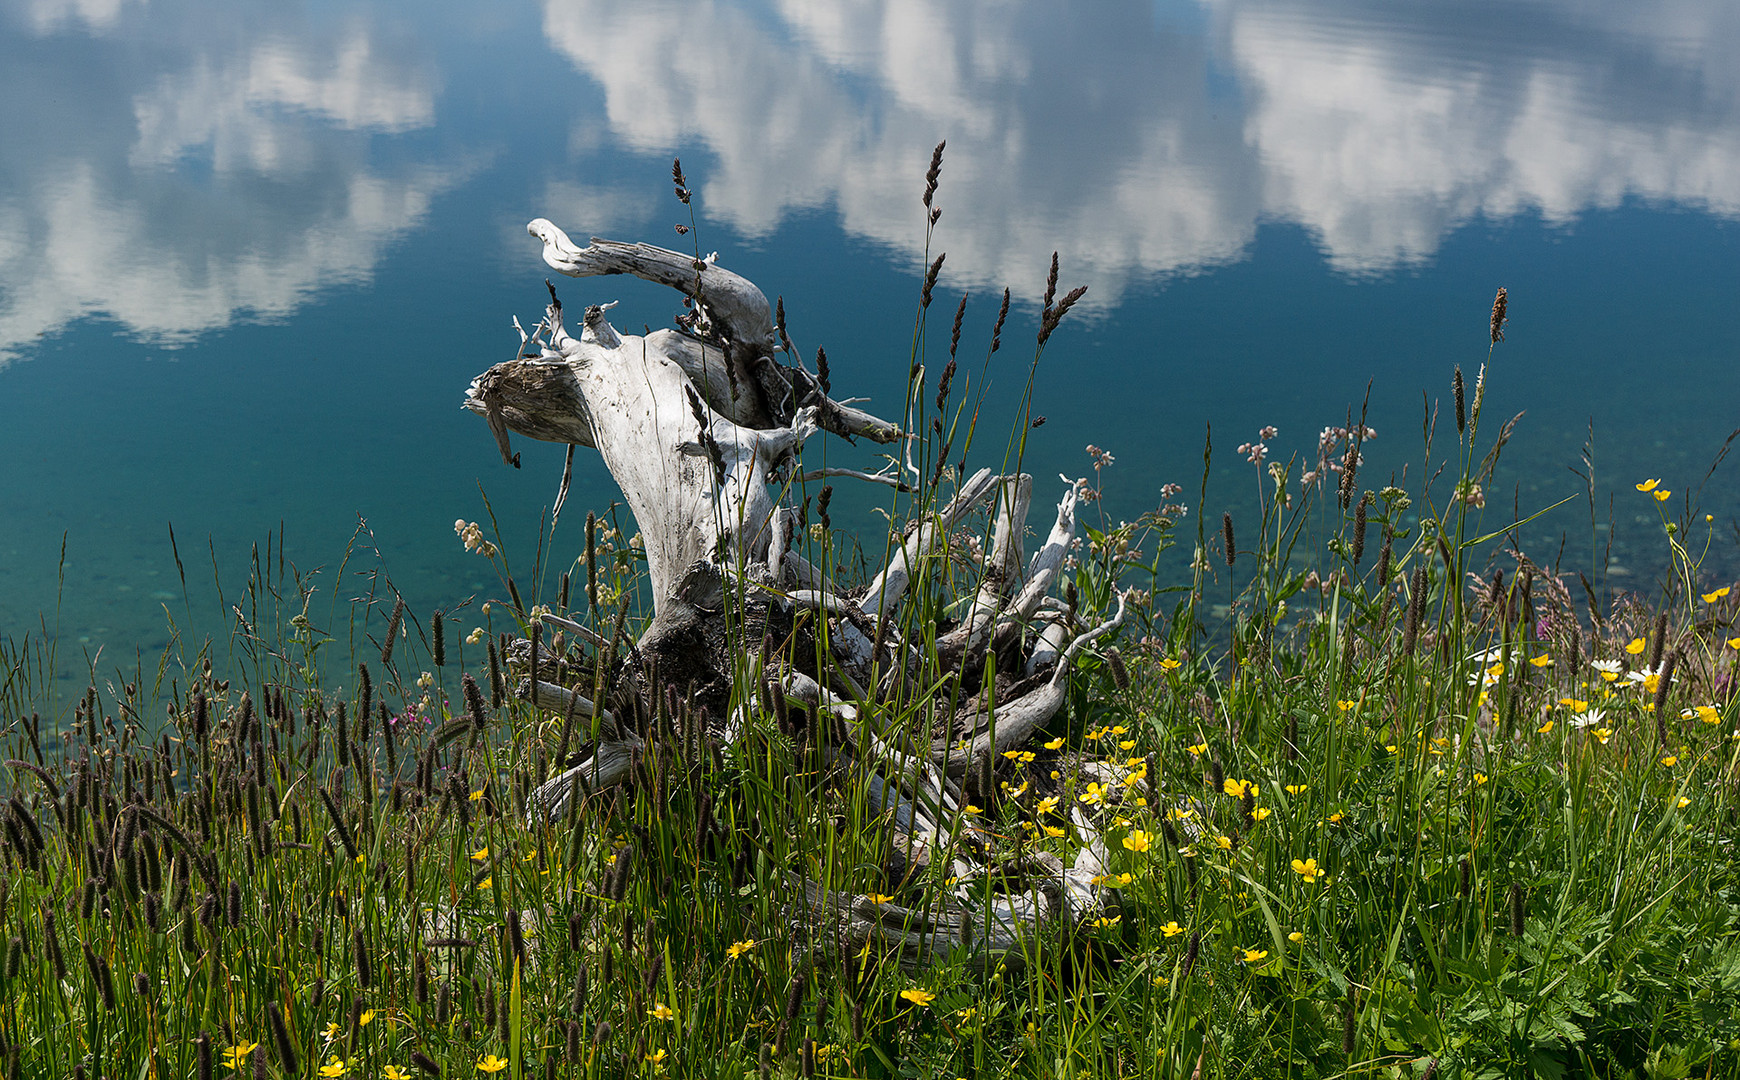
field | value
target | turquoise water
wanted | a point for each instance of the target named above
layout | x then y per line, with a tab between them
251	255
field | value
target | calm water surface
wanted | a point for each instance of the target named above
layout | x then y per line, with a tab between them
251	254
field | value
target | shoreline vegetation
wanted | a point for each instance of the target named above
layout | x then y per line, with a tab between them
1457	815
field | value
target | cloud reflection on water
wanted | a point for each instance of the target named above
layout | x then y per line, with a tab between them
180	165
1140	144
178	174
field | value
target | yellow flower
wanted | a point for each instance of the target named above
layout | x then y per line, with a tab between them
1172	929
918	997
335	1066
1170	664
366	1018
1392	748
1544	728
1251	956
479	856
1046	805
236	1056
1201	748
1012	754
1055	744
1345	706
1540	661
489	1063
1308	868
1260	813
1480	778
1574	704
1663	495
1138	840
1237	788
1712	597
486	883
1093	795
1648	485
477	796
1634	646
1119	730
1179	815
1107	920
1670	760
1706	713
971	811
393	1072
1334	818
656	1056
1127	744
1603	734
661	1011
331	1031
1734	643
738	948
1684	802
879	898
1298	789
1223	842
1053	831
1295	937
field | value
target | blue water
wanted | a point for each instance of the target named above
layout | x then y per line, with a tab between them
251	255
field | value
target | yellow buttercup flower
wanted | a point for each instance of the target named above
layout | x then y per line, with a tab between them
489	1063
1055	744
335	1066
1480	778
1046	805
657	1056
1138	840
918	997
1251	956
1295	937
738	948
1260	813
1648	485
1170	664
1734	643
479	856
486	883
1237	788
1712	597
1223	842
236	1056
1670	760
1544	728
1574	704
1308	868
1634	646
393	1072
1663	495
1602	734
1540	661
1684	802
1172	929
1201	748
1298	789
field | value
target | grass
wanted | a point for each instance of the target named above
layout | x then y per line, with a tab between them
1382	817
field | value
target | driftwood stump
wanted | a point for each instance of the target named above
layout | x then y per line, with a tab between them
701	426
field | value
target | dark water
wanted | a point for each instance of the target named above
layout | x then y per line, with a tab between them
252	254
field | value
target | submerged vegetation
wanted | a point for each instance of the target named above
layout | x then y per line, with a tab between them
1380	795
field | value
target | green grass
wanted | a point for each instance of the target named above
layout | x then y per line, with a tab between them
1354	829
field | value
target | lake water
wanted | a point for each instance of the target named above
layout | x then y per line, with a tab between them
252	254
